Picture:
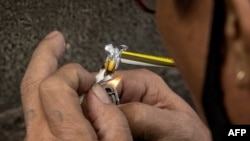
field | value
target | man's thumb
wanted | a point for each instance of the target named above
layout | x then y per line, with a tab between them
109	122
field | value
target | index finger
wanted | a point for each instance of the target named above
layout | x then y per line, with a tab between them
144	86
43	62
139	85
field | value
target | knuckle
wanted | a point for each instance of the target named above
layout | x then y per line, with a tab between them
186	125
137	108
44	86
28	85
63	79
71	66
49	85
134	106
70	70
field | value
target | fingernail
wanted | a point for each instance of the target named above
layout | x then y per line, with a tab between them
101	94
51	34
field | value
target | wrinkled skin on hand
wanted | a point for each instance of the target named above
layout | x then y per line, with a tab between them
155	112
50	98
149	109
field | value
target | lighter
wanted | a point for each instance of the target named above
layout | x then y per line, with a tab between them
110	88
105	75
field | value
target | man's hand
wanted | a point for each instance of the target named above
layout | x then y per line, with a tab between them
155	112
50	98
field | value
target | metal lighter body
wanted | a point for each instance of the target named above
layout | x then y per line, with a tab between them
111	92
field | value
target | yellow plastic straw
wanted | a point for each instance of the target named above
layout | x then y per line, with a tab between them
148	59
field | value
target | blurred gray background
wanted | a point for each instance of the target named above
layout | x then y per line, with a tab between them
88	25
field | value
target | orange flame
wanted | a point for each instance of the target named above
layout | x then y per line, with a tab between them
114	82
